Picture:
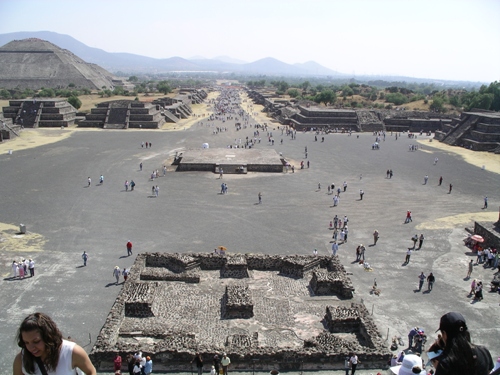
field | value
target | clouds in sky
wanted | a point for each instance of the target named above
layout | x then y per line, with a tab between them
441	39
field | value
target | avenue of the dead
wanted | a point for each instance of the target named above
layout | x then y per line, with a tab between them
45	188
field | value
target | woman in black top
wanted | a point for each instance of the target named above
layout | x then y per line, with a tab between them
460	356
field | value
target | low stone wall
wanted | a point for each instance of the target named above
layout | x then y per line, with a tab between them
331	283
238	302
489	231
161	274
140	302
172	346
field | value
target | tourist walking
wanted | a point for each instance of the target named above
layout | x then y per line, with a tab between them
375	237
199	363
85	256
361	193
216	364
225	362
440	180
485	203
116	274
125	274
470	268
451	187
408	217
129	247
420	241
335	248
408	255
126	185
117	363
414	239
430	281
472	287
148	366
353	360
260	197
421	279
426	178
89	181
345	186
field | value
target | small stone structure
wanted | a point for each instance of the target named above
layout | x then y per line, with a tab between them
43	113
262	310
230	160
123	114
237	302
305	115
478	130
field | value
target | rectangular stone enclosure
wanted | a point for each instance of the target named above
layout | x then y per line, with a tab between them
264	311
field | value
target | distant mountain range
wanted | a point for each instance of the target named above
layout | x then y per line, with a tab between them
131	64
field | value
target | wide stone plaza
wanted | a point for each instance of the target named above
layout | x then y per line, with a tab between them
45	188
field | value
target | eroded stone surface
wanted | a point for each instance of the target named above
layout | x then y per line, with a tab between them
266	311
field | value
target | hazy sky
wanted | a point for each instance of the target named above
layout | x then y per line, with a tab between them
442	39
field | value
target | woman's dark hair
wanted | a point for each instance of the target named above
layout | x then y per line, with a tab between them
50	335
458	355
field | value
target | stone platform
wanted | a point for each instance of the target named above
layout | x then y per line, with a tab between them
230	160
267	313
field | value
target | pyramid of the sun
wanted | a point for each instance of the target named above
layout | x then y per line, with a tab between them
34	63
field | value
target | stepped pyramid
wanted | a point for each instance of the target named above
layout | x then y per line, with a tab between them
34	63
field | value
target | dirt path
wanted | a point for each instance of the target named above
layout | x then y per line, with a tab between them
200	112
490	161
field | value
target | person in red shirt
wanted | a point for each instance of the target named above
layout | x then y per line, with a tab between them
129	248
117	362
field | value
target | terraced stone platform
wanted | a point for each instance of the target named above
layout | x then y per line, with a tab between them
269	313
230	160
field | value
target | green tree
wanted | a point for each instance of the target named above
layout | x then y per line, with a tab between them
481	101
118	90
46	93
75	102
133	79
326	97
5	94
347	91
293	93
164	87
437	104
396	98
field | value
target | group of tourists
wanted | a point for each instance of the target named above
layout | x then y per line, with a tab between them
21	268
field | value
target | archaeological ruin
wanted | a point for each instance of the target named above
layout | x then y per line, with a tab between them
40	113
34	63
265	311
123	114
477	130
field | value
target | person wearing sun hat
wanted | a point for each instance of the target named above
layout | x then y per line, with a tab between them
412	365
460	356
